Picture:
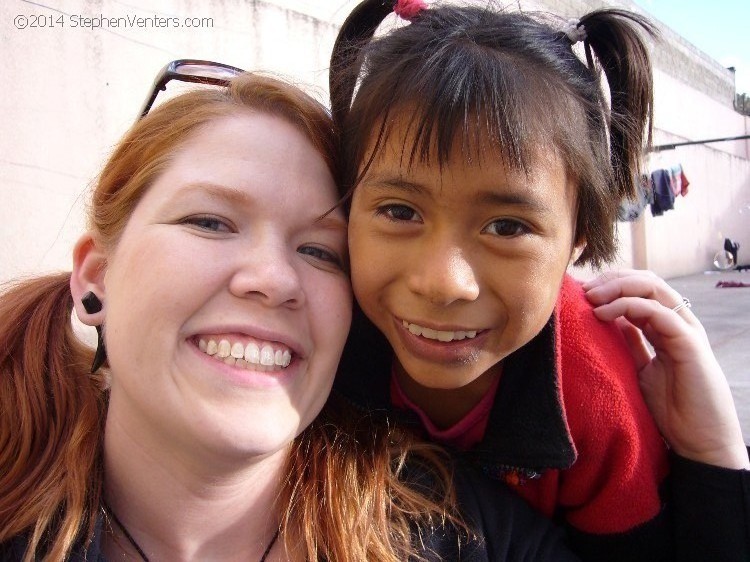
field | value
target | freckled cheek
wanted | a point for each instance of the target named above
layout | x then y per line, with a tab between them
331	312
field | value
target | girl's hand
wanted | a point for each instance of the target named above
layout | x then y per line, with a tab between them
680	378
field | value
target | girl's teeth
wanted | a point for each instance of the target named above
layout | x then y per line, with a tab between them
440	335
445	336
224	349
252	356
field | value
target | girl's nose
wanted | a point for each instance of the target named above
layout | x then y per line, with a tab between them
443	276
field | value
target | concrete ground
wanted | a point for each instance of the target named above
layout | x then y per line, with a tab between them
725	313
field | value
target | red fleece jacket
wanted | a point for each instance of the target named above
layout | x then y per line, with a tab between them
621	459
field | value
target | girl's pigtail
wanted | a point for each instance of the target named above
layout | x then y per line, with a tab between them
356	32
51	420
621	52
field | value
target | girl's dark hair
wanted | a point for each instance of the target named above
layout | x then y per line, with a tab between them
467	73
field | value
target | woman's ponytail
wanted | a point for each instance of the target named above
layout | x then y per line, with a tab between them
51	420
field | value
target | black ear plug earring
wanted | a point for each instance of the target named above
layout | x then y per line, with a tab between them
92	305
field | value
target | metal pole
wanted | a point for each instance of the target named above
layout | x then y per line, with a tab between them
672	146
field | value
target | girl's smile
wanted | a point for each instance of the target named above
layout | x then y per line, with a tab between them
444	346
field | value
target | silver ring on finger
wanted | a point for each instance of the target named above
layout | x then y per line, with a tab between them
684	304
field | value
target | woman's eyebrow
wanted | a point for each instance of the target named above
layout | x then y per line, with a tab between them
329	222
215	191
238	198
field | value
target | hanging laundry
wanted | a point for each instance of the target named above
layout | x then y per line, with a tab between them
663	194
630	209
678	180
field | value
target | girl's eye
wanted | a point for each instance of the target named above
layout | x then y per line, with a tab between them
398	212
208	223
320	254
507	228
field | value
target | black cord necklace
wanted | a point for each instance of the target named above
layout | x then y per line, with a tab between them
111	514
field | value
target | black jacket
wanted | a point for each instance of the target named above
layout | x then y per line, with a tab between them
504	528
706	514
710	520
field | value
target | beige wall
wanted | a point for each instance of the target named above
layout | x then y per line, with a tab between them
685	240
71	92
693	101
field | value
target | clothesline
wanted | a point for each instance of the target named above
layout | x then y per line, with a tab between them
672	146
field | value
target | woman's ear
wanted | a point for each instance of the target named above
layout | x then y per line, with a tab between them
89	267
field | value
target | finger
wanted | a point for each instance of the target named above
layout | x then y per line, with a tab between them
633	284
609	276
642	312
643	285
639	349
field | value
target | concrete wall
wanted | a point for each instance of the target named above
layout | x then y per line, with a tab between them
685	240
70	93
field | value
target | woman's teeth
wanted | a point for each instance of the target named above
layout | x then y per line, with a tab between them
439	335
253	356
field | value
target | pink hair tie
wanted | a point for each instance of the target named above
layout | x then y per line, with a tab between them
408	9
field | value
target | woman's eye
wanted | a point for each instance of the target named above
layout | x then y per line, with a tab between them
208	223
398	212
321	254
506	228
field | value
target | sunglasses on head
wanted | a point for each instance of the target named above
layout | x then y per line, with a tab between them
190	70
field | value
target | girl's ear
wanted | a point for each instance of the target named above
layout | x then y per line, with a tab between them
577	251
89	267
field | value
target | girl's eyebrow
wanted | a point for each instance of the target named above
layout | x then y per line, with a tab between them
513	199
383	182
511	196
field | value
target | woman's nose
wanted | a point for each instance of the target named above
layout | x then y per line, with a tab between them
268	273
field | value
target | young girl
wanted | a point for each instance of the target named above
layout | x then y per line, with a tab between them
482	158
